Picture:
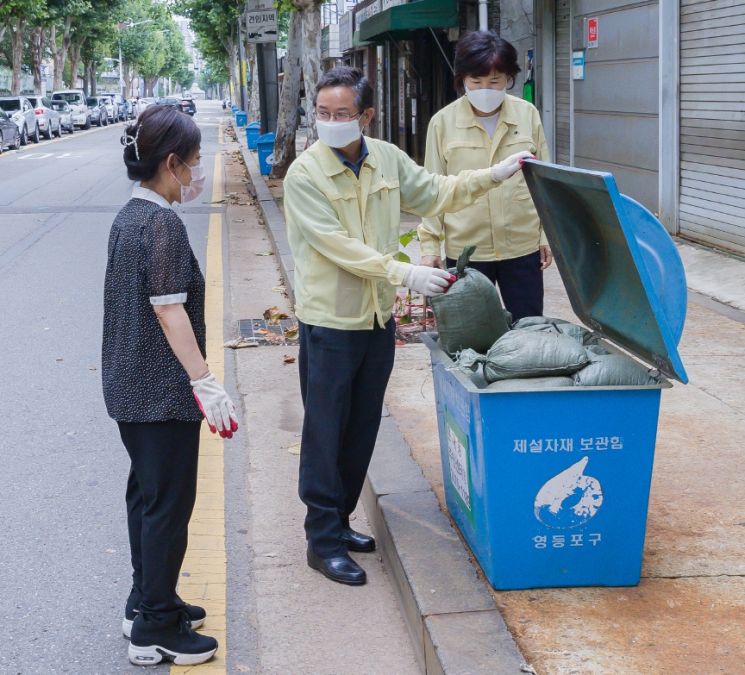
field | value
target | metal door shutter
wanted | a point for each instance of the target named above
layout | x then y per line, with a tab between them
712	122
562	83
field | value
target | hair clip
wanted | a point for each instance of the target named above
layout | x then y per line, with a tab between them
127	140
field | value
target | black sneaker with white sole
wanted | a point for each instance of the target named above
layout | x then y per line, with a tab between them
168	638
196	614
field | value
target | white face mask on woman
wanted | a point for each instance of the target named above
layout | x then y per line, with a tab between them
191	191
338	134
486	100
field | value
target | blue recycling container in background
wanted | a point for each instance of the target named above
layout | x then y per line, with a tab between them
265	146
253	131
241	118
550	487
234	108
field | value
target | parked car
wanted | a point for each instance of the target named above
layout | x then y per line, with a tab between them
112	111
130	109
81	115
99	114
169	102
119	104
9	135
46	116
65	114
21	111
188	106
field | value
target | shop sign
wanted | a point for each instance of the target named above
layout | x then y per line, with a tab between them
578	64
592	33
392	3
259	5
346	34
366	11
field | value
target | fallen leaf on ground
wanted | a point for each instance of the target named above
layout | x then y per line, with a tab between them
274	315
240	343
294	449
279	289
267	253
289	359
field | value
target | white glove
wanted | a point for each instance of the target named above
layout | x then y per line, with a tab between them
511	165
427	280
215	405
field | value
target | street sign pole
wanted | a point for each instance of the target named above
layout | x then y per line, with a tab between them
266	61
242	65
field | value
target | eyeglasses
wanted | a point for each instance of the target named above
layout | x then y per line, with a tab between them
337	117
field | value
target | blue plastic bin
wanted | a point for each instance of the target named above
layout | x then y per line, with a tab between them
550	487
265	146
253	131
241	118
234	108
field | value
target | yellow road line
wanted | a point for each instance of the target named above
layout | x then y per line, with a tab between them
206	559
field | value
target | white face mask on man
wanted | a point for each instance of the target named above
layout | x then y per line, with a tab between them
338	134
486	100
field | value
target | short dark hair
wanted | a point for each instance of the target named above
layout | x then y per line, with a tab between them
479	53
158	132
346	76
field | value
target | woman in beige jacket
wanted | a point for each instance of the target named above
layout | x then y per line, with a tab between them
482	127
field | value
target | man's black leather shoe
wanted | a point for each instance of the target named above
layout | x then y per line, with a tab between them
357	542
341	569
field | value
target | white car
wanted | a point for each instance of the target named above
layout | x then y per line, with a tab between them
47	117
81	114
111	109
21	111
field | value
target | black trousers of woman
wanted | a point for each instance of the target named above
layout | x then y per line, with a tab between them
520	282
161	492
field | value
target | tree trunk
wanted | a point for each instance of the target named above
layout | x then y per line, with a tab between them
150	83
59	54
287	117
128	78
75	51
254	103
37	53
92	75
16	41
235	80
311	62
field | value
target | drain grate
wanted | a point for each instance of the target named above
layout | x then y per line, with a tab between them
263	332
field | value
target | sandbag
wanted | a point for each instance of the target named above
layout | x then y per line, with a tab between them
526	353
613	370
470	314
530	384
549	324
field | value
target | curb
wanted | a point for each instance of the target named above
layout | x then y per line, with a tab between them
452	619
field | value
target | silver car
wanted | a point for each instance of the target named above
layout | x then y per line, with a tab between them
97	107
10	137
46	116
21	111
65	113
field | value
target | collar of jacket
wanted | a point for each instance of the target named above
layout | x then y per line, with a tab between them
330	163
465	116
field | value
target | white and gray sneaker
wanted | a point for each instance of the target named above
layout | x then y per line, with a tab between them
168	638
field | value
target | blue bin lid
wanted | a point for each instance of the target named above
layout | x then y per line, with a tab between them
620	267
267	138
254	125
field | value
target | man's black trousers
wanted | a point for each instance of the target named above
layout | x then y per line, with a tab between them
161	491
520	282
343	377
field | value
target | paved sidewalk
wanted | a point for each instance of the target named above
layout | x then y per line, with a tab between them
304	623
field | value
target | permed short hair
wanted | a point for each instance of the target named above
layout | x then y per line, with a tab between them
479	53
346	76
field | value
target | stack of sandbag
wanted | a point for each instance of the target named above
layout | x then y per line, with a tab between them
470	314
543	352
526	353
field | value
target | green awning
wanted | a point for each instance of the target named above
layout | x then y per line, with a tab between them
398	21
358	42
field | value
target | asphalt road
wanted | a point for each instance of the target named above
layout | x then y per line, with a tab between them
64	558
